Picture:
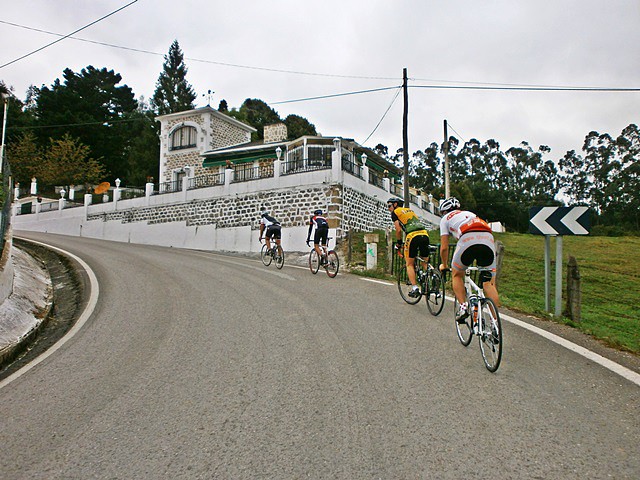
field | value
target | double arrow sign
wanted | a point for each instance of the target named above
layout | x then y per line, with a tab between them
559	220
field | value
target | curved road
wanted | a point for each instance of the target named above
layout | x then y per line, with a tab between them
197	365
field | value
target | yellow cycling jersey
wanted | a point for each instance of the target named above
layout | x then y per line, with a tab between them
409	221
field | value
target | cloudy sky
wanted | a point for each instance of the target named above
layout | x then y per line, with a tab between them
281	50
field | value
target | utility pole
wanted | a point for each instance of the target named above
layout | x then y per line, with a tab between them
5	100
405	136
445	146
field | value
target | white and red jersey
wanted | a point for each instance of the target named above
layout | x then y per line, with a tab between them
451	223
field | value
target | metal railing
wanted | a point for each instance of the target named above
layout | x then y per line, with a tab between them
203	181
351	167
170	187
376	179
301	166
245	173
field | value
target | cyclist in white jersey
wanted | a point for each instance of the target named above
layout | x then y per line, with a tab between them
272	227
474	242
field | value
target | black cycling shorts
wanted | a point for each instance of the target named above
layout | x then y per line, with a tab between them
321	236
273	231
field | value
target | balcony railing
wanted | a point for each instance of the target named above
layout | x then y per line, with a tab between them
376	179
170	187
203	181
301	166
351	167
245	173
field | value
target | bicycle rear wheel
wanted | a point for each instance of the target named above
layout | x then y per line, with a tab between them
404	285
464	329
333	264
265	255
314	261
435	292
279	257
490	335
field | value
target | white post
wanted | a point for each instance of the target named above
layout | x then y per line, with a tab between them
277	163
228	178
61	200
386	184
116	194
87	201
558	309
185	182
34	186
16	191
365	169
148	191
336	161
72	192
371	240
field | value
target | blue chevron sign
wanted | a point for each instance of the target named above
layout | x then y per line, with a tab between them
559	220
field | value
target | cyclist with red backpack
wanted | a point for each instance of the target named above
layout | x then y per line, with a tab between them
474	242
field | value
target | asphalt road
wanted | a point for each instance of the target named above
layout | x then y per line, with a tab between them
198	365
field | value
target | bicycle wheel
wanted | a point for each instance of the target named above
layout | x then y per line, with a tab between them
435	292
404	285
279	257
333	264
490	336
464	330
265	255
314	262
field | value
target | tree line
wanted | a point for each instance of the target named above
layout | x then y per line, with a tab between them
502	185
88	127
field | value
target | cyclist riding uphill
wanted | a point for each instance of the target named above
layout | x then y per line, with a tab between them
322	233
475	242
416	241
272	226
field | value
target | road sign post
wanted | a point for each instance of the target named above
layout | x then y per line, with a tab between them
556	222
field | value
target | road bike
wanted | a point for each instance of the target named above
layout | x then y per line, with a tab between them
483	320
329	261
431	284
275	253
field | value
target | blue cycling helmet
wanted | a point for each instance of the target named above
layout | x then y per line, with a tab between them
317	212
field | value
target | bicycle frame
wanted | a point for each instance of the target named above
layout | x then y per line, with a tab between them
483	320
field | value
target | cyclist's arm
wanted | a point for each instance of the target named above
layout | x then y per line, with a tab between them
444	251
310	229
261	229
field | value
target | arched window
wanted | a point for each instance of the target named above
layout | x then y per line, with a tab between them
183	137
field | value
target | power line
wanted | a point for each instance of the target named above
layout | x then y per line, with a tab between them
528	89
67	36
103	122
334	95
384	115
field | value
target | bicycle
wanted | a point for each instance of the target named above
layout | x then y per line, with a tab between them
430	281
331	264
274	253
483	320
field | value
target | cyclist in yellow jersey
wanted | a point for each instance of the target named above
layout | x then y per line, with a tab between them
416	240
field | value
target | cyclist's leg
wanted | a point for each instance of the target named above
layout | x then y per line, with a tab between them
457	274
485	257
267	237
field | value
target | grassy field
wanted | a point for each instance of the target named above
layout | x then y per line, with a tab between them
610	279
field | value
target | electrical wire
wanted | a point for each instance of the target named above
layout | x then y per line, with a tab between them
528	89
333	95
384	115
67	36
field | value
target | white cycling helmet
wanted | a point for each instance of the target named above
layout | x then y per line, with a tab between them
451	203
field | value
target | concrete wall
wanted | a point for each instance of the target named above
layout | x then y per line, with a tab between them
6	268
226	217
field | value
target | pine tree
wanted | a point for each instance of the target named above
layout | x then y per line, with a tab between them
173	93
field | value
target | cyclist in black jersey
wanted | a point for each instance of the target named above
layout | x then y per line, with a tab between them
272	227
322	233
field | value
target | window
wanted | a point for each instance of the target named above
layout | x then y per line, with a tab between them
183	137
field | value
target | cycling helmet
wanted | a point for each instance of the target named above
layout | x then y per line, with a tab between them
451	203
317	212
264	213
397	200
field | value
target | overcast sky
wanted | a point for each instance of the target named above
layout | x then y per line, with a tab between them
352	45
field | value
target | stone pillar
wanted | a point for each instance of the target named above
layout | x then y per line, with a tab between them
365	169
386	184
34	186
228	178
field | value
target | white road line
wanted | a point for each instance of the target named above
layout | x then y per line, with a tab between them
91	305
376	281
594	357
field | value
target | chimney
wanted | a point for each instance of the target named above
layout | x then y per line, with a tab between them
276	132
